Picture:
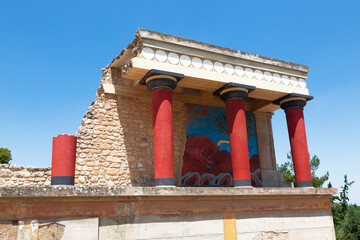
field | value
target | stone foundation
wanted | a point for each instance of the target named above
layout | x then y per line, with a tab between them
166	213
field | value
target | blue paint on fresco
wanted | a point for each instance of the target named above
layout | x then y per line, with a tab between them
252	139
207	125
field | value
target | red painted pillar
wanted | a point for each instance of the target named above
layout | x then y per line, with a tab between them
235	110
161	87
163	136
63	160
295	121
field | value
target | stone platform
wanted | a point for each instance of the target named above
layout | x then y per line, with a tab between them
168	213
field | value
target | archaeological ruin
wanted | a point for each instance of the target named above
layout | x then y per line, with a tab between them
177	144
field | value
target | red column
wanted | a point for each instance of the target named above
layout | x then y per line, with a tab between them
234	97
63	160
298	143
163	136
161	87
235	111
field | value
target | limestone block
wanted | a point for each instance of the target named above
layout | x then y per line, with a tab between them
111	171
103	146
5	173
280	221
90	164
110	184
38	174
94	179
81	179
23	174
80	229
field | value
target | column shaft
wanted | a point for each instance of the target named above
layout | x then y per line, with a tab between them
63	160
161	84
163	136
299	148
235	110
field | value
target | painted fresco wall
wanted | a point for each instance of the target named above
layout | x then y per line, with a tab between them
207	157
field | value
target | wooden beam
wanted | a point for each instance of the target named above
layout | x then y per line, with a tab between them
269	108
260	104
205	98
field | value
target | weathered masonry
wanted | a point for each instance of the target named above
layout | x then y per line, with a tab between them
178	145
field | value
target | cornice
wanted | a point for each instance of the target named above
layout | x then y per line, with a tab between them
213	65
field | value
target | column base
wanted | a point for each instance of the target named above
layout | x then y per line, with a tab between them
62	180
164	182
242	183
304	184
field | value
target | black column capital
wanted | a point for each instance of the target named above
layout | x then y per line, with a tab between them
157	79
233	91
293	100
291	103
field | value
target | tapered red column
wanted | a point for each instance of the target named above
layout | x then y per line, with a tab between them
235	110
295	121
63	160
161	87
163	136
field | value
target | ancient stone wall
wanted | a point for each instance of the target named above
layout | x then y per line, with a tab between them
115	143
12	175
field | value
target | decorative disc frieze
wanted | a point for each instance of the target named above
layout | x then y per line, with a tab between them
221	67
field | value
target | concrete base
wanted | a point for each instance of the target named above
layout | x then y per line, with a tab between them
166	213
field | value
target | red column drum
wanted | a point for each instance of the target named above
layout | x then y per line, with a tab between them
235	110
163	136
63	160
299	148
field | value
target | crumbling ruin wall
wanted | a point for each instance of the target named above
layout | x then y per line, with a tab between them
115	142
13	175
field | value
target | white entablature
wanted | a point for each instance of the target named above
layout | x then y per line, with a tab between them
208	67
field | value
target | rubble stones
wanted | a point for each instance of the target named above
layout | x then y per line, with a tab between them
13	175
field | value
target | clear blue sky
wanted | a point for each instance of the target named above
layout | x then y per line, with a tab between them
51	54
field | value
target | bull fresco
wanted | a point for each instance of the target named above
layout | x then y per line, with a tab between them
207	156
